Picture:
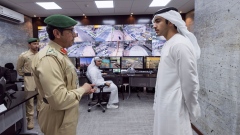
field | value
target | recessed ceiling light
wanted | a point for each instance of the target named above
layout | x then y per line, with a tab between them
143	20
109	22
83	14
34	16
159	3
131	13
48	5
104	4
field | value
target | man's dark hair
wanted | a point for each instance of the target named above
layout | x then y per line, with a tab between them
50	31
9	66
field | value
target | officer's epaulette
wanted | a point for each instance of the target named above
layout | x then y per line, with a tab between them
23	53
51	51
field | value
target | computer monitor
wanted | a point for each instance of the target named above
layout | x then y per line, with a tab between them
110	62
73	60
118	70
151	62
135	62
85	62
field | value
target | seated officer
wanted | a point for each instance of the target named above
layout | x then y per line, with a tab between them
4	72
95	75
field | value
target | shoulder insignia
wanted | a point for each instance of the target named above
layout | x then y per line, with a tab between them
63	51
24	52
51	51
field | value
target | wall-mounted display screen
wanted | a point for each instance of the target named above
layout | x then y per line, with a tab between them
43	36
103	49
151	62
111	40
140	32
110	62
134	62
157	44
137	48
81	49
85	62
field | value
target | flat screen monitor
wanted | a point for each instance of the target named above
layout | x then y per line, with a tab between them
85	62
117	70
135	62
110	62
151	62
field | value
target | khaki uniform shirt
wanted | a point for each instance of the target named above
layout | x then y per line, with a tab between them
24	66
57	81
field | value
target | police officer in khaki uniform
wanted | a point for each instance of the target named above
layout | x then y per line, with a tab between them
24	69
57	80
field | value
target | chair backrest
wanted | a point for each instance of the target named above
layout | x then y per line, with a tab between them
13	75
2	89
88	80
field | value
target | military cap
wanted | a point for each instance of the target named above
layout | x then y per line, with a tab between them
30	40
60	21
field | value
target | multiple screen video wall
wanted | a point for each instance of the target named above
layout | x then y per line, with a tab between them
117	63
111	40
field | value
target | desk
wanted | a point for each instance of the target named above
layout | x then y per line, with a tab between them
134	80
16	111
140	80
11	86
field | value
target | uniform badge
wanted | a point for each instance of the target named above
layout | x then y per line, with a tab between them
64	51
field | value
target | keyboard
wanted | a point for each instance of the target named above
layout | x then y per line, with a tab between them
144	72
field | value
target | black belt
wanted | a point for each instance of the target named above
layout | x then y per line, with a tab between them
45	100
27	74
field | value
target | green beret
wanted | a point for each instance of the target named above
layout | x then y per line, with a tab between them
60	21
30	40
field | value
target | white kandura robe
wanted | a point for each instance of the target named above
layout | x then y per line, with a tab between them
177	86
95	75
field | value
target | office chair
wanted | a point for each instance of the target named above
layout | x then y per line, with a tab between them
13	76
99	96
100	99
4	95
2	89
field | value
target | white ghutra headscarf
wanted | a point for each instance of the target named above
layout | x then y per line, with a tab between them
91	66
174	17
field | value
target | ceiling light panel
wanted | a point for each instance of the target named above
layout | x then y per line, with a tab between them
159	3
104	4
48	5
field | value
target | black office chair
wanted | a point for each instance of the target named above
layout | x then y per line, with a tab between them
100	101
5	96
2	90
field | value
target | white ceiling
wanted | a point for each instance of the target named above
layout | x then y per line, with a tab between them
88	7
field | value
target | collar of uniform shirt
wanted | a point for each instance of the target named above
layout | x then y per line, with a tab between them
63	50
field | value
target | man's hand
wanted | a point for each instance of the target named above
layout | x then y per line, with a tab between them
108	84
88	88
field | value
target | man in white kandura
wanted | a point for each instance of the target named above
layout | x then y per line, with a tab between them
95	76
176	97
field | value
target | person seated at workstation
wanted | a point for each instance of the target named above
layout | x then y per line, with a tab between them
4	72
95	76
13	73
